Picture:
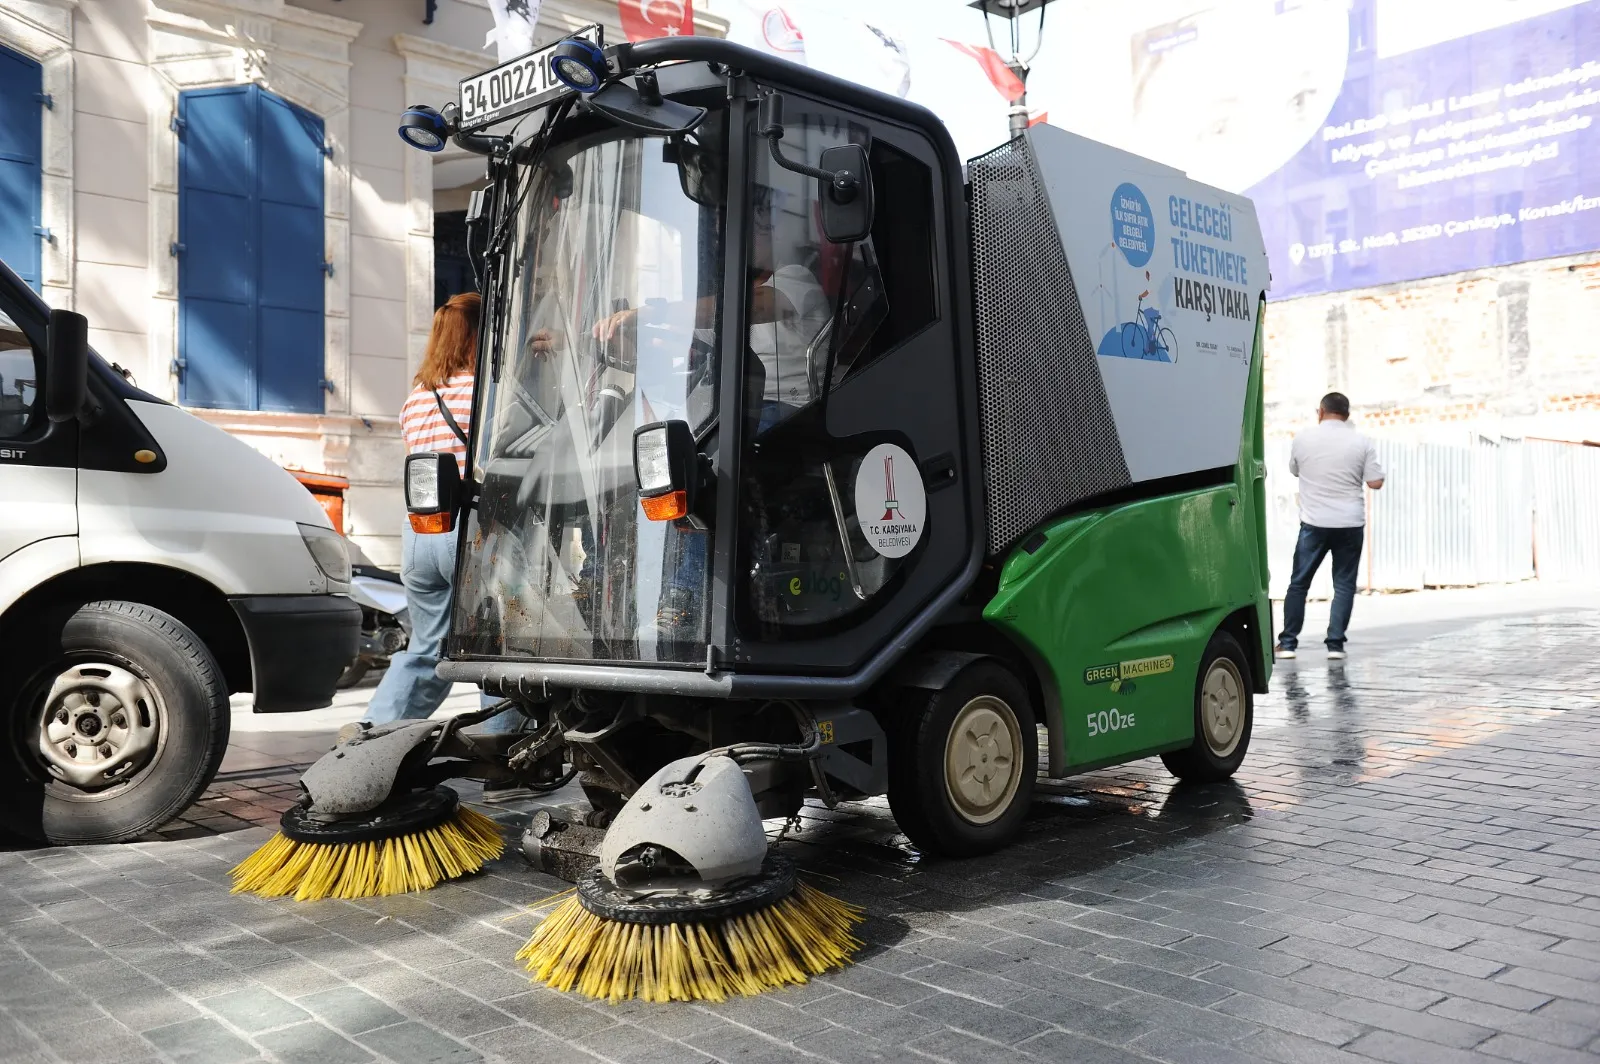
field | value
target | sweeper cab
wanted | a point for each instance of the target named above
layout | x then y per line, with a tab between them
808	462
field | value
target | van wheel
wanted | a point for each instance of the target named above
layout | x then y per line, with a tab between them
962	763
1224	713
119	729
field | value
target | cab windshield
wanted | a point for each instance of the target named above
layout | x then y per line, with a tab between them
608	322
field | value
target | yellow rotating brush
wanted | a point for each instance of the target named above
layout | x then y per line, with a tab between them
772	931
411	843
687	904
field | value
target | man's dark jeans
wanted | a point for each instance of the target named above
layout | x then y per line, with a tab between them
1314	545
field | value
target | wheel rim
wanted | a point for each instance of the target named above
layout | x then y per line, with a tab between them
983	759
101	724
1222	707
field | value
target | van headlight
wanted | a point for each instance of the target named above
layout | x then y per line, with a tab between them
328	551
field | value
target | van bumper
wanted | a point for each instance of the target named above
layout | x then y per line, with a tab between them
299	647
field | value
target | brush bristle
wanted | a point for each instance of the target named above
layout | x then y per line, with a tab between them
311	871
805	934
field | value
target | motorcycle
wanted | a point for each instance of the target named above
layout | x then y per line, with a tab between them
385	621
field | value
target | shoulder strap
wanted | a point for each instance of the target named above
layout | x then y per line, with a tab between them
449	418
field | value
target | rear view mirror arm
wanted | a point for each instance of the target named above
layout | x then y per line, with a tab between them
843	186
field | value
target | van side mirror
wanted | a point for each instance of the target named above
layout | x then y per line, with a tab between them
66	387
846	194
433	491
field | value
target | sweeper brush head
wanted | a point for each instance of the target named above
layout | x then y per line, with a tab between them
769	932
413	843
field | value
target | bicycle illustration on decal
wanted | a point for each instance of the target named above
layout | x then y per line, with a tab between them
1144	337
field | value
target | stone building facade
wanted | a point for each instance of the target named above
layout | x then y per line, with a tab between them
1510	350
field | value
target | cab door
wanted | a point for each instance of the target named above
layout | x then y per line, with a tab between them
38	460
857	474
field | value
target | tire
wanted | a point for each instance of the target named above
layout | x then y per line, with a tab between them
147	695
353	675
938	814
1224	714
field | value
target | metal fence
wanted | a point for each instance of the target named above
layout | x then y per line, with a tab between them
1483	512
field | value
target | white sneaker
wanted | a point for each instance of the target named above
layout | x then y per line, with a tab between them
1285	653
1337	655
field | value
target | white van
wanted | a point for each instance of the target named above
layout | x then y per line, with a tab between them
150	565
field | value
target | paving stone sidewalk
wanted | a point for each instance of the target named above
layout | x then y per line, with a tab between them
1407	870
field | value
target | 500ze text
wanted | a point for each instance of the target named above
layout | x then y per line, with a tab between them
1109	720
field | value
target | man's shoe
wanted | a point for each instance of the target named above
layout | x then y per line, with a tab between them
497	791
1337	655
1285	652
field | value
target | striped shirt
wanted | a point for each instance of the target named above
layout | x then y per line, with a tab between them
425	428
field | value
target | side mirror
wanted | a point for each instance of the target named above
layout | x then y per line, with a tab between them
66	389
846	194
844	180
664	463
433	491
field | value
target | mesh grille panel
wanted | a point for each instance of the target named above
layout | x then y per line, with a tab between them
1048	436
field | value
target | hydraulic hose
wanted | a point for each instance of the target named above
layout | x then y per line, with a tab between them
808	751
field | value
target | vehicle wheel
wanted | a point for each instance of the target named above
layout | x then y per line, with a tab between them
1224	712
119	729
962	763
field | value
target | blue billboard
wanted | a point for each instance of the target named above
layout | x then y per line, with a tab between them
1461	135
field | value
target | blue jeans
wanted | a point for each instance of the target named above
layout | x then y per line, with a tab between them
1314	545
410	690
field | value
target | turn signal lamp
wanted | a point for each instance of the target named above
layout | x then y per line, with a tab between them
430	524
673	506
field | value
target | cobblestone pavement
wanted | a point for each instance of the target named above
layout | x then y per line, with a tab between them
1406	870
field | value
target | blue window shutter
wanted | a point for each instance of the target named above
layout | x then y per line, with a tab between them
21	159
216	231
250	246
292	254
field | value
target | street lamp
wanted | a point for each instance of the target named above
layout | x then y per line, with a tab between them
1012	11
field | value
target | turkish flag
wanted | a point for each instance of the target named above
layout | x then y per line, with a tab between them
643	20
1005	82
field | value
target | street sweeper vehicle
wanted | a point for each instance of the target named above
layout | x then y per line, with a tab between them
807	463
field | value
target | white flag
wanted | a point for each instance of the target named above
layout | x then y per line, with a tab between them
856	51
823	40
766	27
513	27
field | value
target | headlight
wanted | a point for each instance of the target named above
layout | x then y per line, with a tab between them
653	461
328	551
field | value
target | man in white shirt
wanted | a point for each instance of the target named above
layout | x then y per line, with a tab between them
1334	462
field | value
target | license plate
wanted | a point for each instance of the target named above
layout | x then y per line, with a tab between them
513	88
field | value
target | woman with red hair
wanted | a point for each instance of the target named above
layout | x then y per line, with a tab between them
435	417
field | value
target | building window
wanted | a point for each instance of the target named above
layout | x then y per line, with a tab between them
452	268
251	255
21	140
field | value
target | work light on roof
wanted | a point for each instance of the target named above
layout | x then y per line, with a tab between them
423	127
579	65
